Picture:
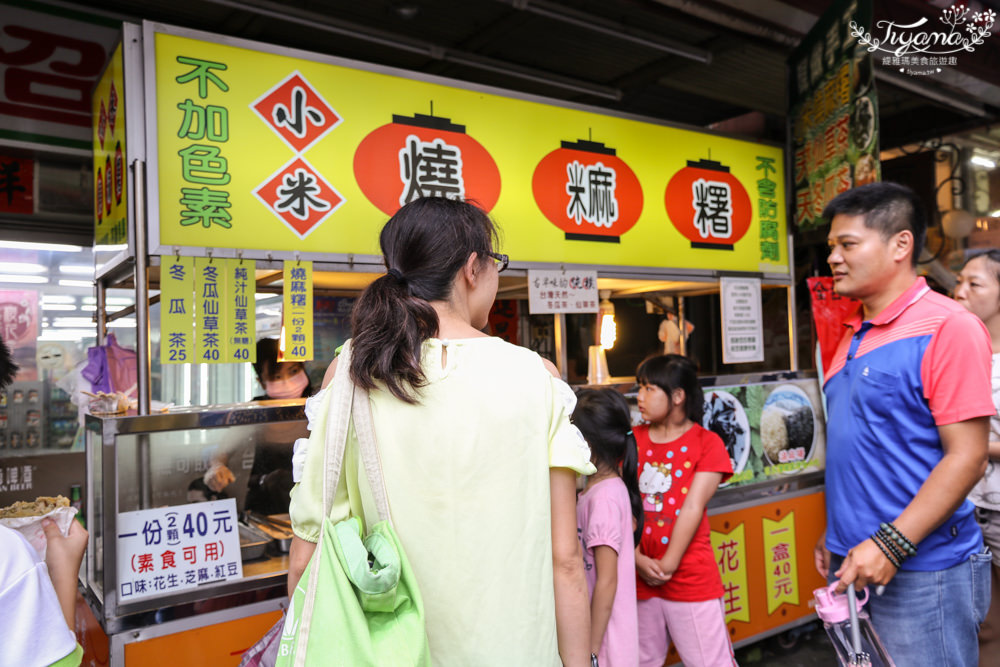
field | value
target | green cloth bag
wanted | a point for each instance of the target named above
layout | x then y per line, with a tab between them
357	604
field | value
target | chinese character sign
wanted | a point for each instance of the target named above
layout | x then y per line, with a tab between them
562	292
780	562
297	312
50	61
259	150
171	549
240	332
731	557
177	310
834	112
587	191
742	325
210	324
110	178
17	185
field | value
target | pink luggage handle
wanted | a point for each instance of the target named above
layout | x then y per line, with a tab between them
832	607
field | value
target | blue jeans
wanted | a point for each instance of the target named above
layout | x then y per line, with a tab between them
931	618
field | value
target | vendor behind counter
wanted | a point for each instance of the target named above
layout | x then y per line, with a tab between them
271	475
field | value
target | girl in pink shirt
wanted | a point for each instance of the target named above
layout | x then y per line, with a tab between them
609	522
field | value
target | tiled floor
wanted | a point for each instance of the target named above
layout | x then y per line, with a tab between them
811	648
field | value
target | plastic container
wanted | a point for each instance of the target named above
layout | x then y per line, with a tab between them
849	628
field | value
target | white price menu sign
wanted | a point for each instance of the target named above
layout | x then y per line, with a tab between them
562	292
171	549
742	325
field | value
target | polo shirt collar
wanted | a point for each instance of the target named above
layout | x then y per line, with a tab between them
895	309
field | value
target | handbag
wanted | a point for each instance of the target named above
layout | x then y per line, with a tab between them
265	652
357	602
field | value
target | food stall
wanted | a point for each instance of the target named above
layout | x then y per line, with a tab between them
226	168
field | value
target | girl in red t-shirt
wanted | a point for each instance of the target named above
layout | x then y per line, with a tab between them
681	464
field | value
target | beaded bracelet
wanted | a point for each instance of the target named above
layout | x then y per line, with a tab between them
894	534
889	556
896	551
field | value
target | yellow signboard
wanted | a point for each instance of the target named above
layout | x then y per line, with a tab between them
210	299
177	309
780	562
731	556
266	152
297	313
238	315
110	178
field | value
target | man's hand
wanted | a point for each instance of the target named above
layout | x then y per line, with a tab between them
218	477
865	564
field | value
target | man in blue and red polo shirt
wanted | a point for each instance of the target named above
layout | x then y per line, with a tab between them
908	397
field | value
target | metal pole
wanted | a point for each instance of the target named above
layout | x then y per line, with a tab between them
560	334
143	458
141	285
102	312
682	325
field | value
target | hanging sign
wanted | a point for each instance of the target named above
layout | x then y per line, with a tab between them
17	185
742	325
177	309
210	284
781	562
110	202
297	313
171	549
731	556
562	292
240	333
258	148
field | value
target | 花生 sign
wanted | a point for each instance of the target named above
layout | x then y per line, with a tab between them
170	549
562	292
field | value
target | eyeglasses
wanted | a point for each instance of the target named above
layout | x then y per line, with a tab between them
501	260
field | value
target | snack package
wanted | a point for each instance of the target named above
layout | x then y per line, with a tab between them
26	518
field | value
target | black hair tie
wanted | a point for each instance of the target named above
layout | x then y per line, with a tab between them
397	275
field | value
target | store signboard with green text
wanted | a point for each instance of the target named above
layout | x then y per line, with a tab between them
271	152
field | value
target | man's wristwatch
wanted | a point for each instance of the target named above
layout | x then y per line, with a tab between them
593	660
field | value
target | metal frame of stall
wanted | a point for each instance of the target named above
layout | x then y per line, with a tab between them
119	267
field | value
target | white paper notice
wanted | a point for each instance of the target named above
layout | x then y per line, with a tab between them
742	326
562	292
170	549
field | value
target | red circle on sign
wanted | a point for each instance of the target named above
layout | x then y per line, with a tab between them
549	186
381	173
683	207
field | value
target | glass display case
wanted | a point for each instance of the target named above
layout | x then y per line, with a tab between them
159	461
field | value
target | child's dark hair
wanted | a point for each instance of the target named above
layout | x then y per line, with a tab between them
602	415
673	371
425	244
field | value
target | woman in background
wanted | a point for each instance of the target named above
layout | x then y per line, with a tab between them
478	455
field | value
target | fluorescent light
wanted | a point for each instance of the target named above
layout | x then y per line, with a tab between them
983	161
77	269
57	298
66	322
24	267
995	214
8	278
110	248
67	334
89	308
260	296
125	322
58	306
90	299
119	301
75	283
50	247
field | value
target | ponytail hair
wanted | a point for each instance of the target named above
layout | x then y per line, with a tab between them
603	416
424	245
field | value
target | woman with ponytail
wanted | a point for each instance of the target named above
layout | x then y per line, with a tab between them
609	521
458	416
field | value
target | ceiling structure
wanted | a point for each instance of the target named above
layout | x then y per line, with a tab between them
706	63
